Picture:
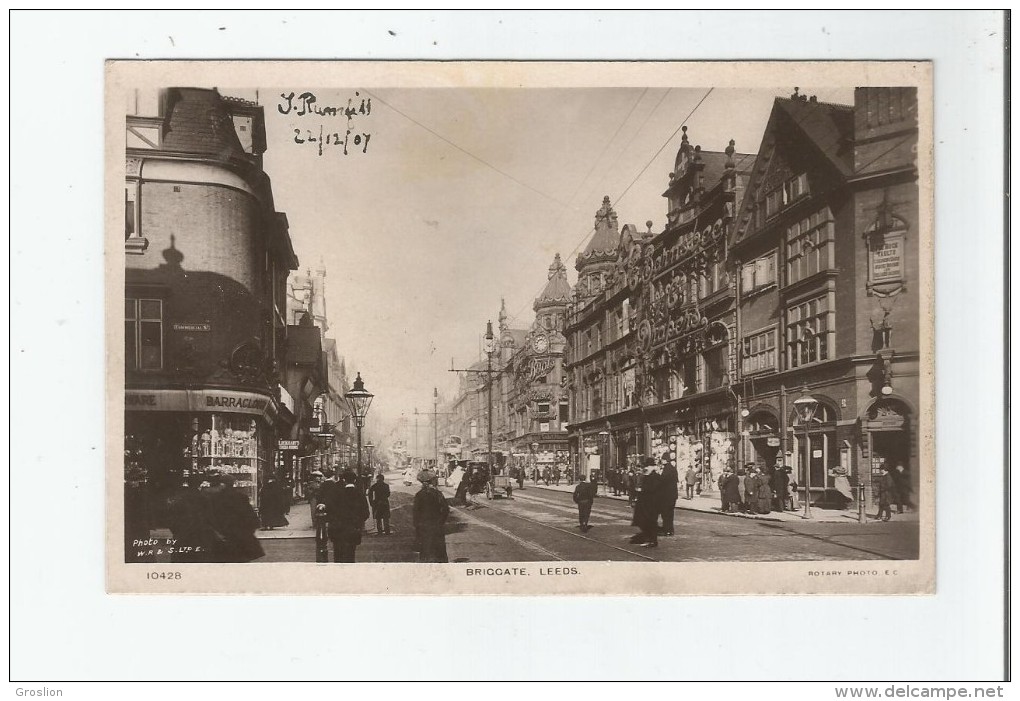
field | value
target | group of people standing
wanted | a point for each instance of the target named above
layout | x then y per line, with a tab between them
893	487
655	499
212	521
653	496
755	490
341	505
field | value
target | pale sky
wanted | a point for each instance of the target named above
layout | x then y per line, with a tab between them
420	240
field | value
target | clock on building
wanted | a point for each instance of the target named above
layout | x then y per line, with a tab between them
540	343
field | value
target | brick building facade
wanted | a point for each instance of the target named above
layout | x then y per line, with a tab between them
207	258
789	274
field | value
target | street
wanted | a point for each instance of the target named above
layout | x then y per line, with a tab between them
540	524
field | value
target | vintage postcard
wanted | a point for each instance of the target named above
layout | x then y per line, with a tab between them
520	328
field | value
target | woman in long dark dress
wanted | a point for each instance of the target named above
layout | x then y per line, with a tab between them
272	505
379	500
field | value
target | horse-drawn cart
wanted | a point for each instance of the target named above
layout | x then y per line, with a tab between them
498	486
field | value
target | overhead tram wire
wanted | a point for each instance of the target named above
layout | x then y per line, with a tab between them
636	177
800	121
465	151
665	143
633	136
605	148
609	142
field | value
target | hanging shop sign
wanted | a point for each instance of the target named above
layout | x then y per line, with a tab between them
288	445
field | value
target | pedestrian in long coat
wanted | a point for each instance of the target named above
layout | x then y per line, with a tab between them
646	509
741	479
346	511
668	496
632	486
584	497
379	500
732	489
724	496
312	492
901	478
234	521
764	495
780	487
272	504
430	512
751	490
886	488
190	521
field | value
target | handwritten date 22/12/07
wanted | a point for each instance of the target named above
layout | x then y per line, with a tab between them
348	142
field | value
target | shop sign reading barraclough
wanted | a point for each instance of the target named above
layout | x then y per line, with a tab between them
258	403
198	400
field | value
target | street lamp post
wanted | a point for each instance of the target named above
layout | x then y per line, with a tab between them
370	447
806	407
490	347
603	455
359	400
435	425
534	460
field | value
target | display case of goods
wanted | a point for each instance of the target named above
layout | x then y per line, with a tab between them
687	450
660	445
229	445
722	446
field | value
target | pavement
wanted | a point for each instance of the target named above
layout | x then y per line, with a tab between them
710	504
299	525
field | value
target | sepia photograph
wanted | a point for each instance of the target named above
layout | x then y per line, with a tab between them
500	346
483	325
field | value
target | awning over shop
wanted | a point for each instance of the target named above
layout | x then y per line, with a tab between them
200	400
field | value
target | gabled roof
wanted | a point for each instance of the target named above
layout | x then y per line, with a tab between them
604	243
557	290
715	167
828	126
825	127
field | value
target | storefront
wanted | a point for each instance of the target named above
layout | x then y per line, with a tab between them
708	444
762	444
819	448
887	441
626	449
176	436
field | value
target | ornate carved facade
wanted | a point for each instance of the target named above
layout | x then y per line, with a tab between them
651	330
535	404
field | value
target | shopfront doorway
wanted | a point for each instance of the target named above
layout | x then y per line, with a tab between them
818	451
889	442
762	430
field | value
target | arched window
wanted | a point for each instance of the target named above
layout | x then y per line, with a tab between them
823	414
761	422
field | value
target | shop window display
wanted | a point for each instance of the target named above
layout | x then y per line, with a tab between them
229	445
681	448
164	450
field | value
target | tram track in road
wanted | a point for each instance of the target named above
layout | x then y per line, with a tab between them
508	512
770	529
